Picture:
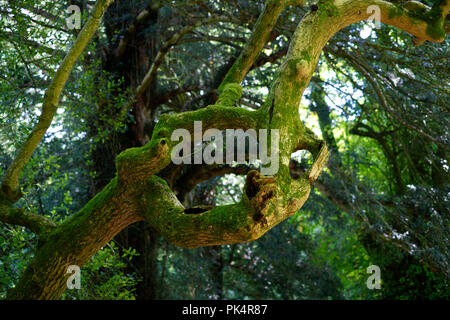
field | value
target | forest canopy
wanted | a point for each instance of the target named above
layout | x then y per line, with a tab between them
312	142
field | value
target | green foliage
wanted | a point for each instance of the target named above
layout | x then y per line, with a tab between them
420	282
15	251
103	277
338	246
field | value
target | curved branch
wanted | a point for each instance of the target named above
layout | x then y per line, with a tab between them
76	240
139	164
269	200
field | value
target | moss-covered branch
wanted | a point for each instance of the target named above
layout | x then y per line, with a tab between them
18	216
10	182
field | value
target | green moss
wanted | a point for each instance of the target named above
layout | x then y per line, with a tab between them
284	179
131	155
220	116
305	55
161	211
64	238
228	217
327	9
95	203
232	76
161	132
436	30
148	156
294	65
